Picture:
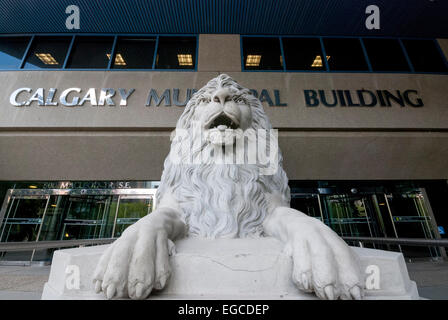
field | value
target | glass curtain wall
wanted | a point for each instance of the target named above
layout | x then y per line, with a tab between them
55	214
397	214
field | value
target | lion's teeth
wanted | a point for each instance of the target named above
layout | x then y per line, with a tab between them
222	127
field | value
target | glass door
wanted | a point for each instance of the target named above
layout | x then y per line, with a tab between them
352	215
410	219
68	214
130	209
23	222
87	216
307	203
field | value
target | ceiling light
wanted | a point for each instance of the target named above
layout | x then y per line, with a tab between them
317	63
46	58
253	60
32	187
119	61
185	59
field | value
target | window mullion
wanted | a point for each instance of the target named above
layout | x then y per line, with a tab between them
282	53
25	54
366	56
155	53
68	52
112	53
406	55
324	58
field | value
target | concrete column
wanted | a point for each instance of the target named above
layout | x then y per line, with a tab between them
219	52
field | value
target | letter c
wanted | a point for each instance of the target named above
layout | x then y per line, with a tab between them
13	97
242	311
63	98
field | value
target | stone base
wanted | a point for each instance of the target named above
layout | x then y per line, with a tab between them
228	269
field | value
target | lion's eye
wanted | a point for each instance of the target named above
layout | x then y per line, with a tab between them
204	100
240	100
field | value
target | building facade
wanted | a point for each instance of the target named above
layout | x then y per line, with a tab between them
86	118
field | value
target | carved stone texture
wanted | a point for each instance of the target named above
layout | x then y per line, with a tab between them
228	269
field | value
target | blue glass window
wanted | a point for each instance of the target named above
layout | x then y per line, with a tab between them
345	54
176	53
134	53
47	52
303	54
386	55
90	52
12	50
262	54
425	56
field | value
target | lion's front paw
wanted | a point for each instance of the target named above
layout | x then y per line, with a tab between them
135	264
324	263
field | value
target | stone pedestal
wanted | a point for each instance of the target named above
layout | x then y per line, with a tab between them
227	269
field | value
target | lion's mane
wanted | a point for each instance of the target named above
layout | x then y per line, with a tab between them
222	200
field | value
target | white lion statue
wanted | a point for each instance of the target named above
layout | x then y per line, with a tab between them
210	199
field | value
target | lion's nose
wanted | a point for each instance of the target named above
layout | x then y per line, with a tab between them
222	96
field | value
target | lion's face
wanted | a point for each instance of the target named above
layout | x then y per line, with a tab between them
223	114
213	195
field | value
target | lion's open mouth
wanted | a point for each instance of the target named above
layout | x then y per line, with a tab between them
223	122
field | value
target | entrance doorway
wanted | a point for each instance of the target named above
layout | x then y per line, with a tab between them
404	214
352	215
68	214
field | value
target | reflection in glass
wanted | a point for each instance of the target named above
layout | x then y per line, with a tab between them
23	219
306	203
130	210
411	219
90	52
303	54
262	53
352	216
345	54
12	50
385	55
133	53
425	56
22	223
87	217
47	52
176	53
51	215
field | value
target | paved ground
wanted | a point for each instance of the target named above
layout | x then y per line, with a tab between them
25	282
22	282
431	279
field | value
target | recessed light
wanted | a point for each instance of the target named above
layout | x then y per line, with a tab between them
253	60
46	58
185	59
